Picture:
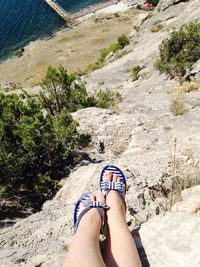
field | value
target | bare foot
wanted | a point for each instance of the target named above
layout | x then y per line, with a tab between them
113	200
92	216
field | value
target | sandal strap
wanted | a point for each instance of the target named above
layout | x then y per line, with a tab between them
93	203
108	185
88	204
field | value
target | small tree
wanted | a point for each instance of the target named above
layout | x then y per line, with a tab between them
154	2
63	90
34	147
180	51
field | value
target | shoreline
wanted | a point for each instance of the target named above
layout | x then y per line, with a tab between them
92	9
110	7
103	7
74	48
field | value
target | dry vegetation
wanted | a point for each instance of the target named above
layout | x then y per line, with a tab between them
157	27
184	173
177	106
187	87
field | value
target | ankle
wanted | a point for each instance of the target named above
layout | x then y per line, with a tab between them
116	203
116	215
116	224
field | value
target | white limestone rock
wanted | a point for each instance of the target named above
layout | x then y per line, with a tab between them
190	201
194	73
170	240
164	4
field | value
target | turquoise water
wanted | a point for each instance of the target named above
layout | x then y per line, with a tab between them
22	21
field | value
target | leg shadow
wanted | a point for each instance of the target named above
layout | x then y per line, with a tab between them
143	256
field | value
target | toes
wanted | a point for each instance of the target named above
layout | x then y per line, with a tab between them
107	176
115	177
93	197
100	197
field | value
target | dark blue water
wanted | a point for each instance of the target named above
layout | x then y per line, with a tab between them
22	21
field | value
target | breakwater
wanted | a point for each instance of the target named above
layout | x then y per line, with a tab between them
58	9
82	12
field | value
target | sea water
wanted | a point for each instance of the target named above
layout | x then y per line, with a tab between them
23	21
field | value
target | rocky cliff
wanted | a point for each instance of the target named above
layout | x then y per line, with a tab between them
158	152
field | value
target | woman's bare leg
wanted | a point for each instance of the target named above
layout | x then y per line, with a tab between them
120	249
84	250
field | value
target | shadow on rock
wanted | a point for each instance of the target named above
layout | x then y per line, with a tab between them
141	250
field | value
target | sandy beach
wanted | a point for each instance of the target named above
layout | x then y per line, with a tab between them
73	48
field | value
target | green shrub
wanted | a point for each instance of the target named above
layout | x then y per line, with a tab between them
107	99
154	2
45	185
63	90
84	140
92	67
106	51
180	51
38	136
135	72
34	145
122	41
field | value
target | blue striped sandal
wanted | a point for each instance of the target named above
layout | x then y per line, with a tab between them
80	210
107	186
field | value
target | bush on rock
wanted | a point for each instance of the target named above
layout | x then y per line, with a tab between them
180	51
34	145
63	90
